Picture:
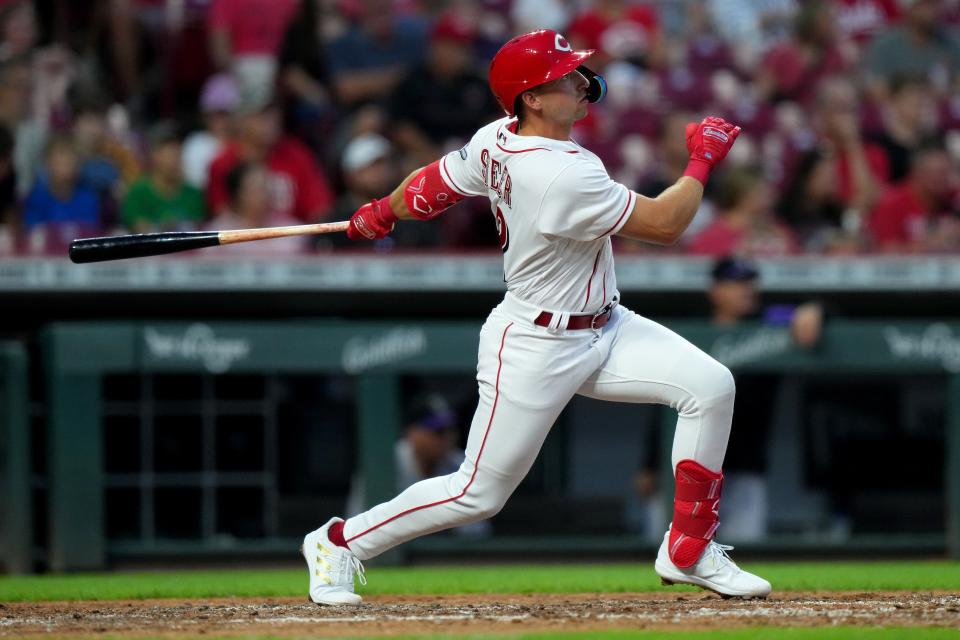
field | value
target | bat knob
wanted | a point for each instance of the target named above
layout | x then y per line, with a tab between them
77	254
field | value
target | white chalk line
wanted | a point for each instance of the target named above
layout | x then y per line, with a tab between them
387	618
764	611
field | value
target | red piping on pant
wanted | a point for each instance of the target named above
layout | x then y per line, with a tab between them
493	411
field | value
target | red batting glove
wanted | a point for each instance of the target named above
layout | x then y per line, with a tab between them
372	221
708	144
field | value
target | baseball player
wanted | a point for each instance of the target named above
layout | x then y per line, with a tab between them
560	329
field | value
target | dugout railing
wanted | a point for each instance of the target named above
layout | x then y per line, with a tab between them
78	357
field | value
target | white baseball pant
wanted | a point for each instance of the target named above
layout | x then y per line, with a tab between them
526	375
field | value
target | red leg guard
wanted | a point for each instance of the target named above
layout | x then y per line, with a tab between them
695	517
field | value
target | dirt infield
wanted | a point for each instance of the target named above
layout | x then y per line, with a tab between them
463	614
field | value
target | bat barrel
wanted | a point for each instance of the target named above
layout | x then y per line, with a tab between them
140	245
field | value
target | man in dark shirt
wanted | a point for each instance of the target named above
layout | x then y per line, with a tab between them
368	61
439	104
906	126
734	298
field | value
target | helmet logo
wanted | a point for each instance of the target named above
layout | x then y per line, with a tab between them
561	43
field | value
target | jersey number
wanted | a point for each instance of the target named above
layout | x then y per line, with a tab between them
502	231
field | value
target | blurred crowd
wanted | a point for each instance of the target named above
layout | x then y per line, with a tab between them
151	115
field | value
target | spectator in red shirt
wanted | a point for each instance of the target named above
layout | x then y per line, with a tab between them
299	190
248	188
619	30
746	224
862	167
245	37
921	214
791	70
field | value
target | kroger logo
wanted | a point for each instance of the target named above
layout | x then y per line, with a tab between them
198	342
937	342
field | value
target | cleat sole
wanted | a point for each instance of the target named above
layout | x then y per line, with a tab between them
726	596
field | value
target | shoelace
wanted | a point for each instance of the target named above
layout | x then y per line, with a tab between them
357	567
721	550
352	565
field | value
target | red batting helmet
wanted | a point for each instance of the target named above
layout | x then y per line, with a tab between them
534	58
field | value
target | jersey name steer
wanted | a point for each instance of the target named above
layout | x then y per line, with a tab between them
496	177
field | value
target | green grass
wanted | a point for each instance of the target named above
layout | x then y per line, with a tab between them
558	578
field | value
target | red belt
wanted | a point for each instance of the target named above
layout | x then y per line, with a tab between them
580	321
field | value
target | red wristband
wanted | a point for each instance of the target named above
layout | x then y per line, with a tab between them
698	169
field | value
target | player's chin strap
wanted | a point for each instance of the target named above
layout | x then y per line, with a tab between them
598	86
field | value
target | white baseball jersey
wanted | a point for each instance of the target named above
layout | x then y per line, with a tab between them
555	209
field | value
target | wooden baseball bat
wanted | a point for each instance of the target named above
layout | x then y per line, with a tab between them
140	245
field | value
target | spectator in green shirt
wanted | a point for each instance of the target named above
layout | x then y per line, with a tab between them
161	199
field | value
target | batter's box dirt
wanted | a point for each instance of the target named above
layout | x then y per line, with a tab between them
472	614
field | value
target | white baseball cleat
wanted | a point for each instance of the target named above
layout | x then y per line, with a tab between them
715	570
331	568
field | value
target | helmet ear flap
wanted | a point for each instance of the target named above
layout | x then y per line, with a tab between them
598	86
